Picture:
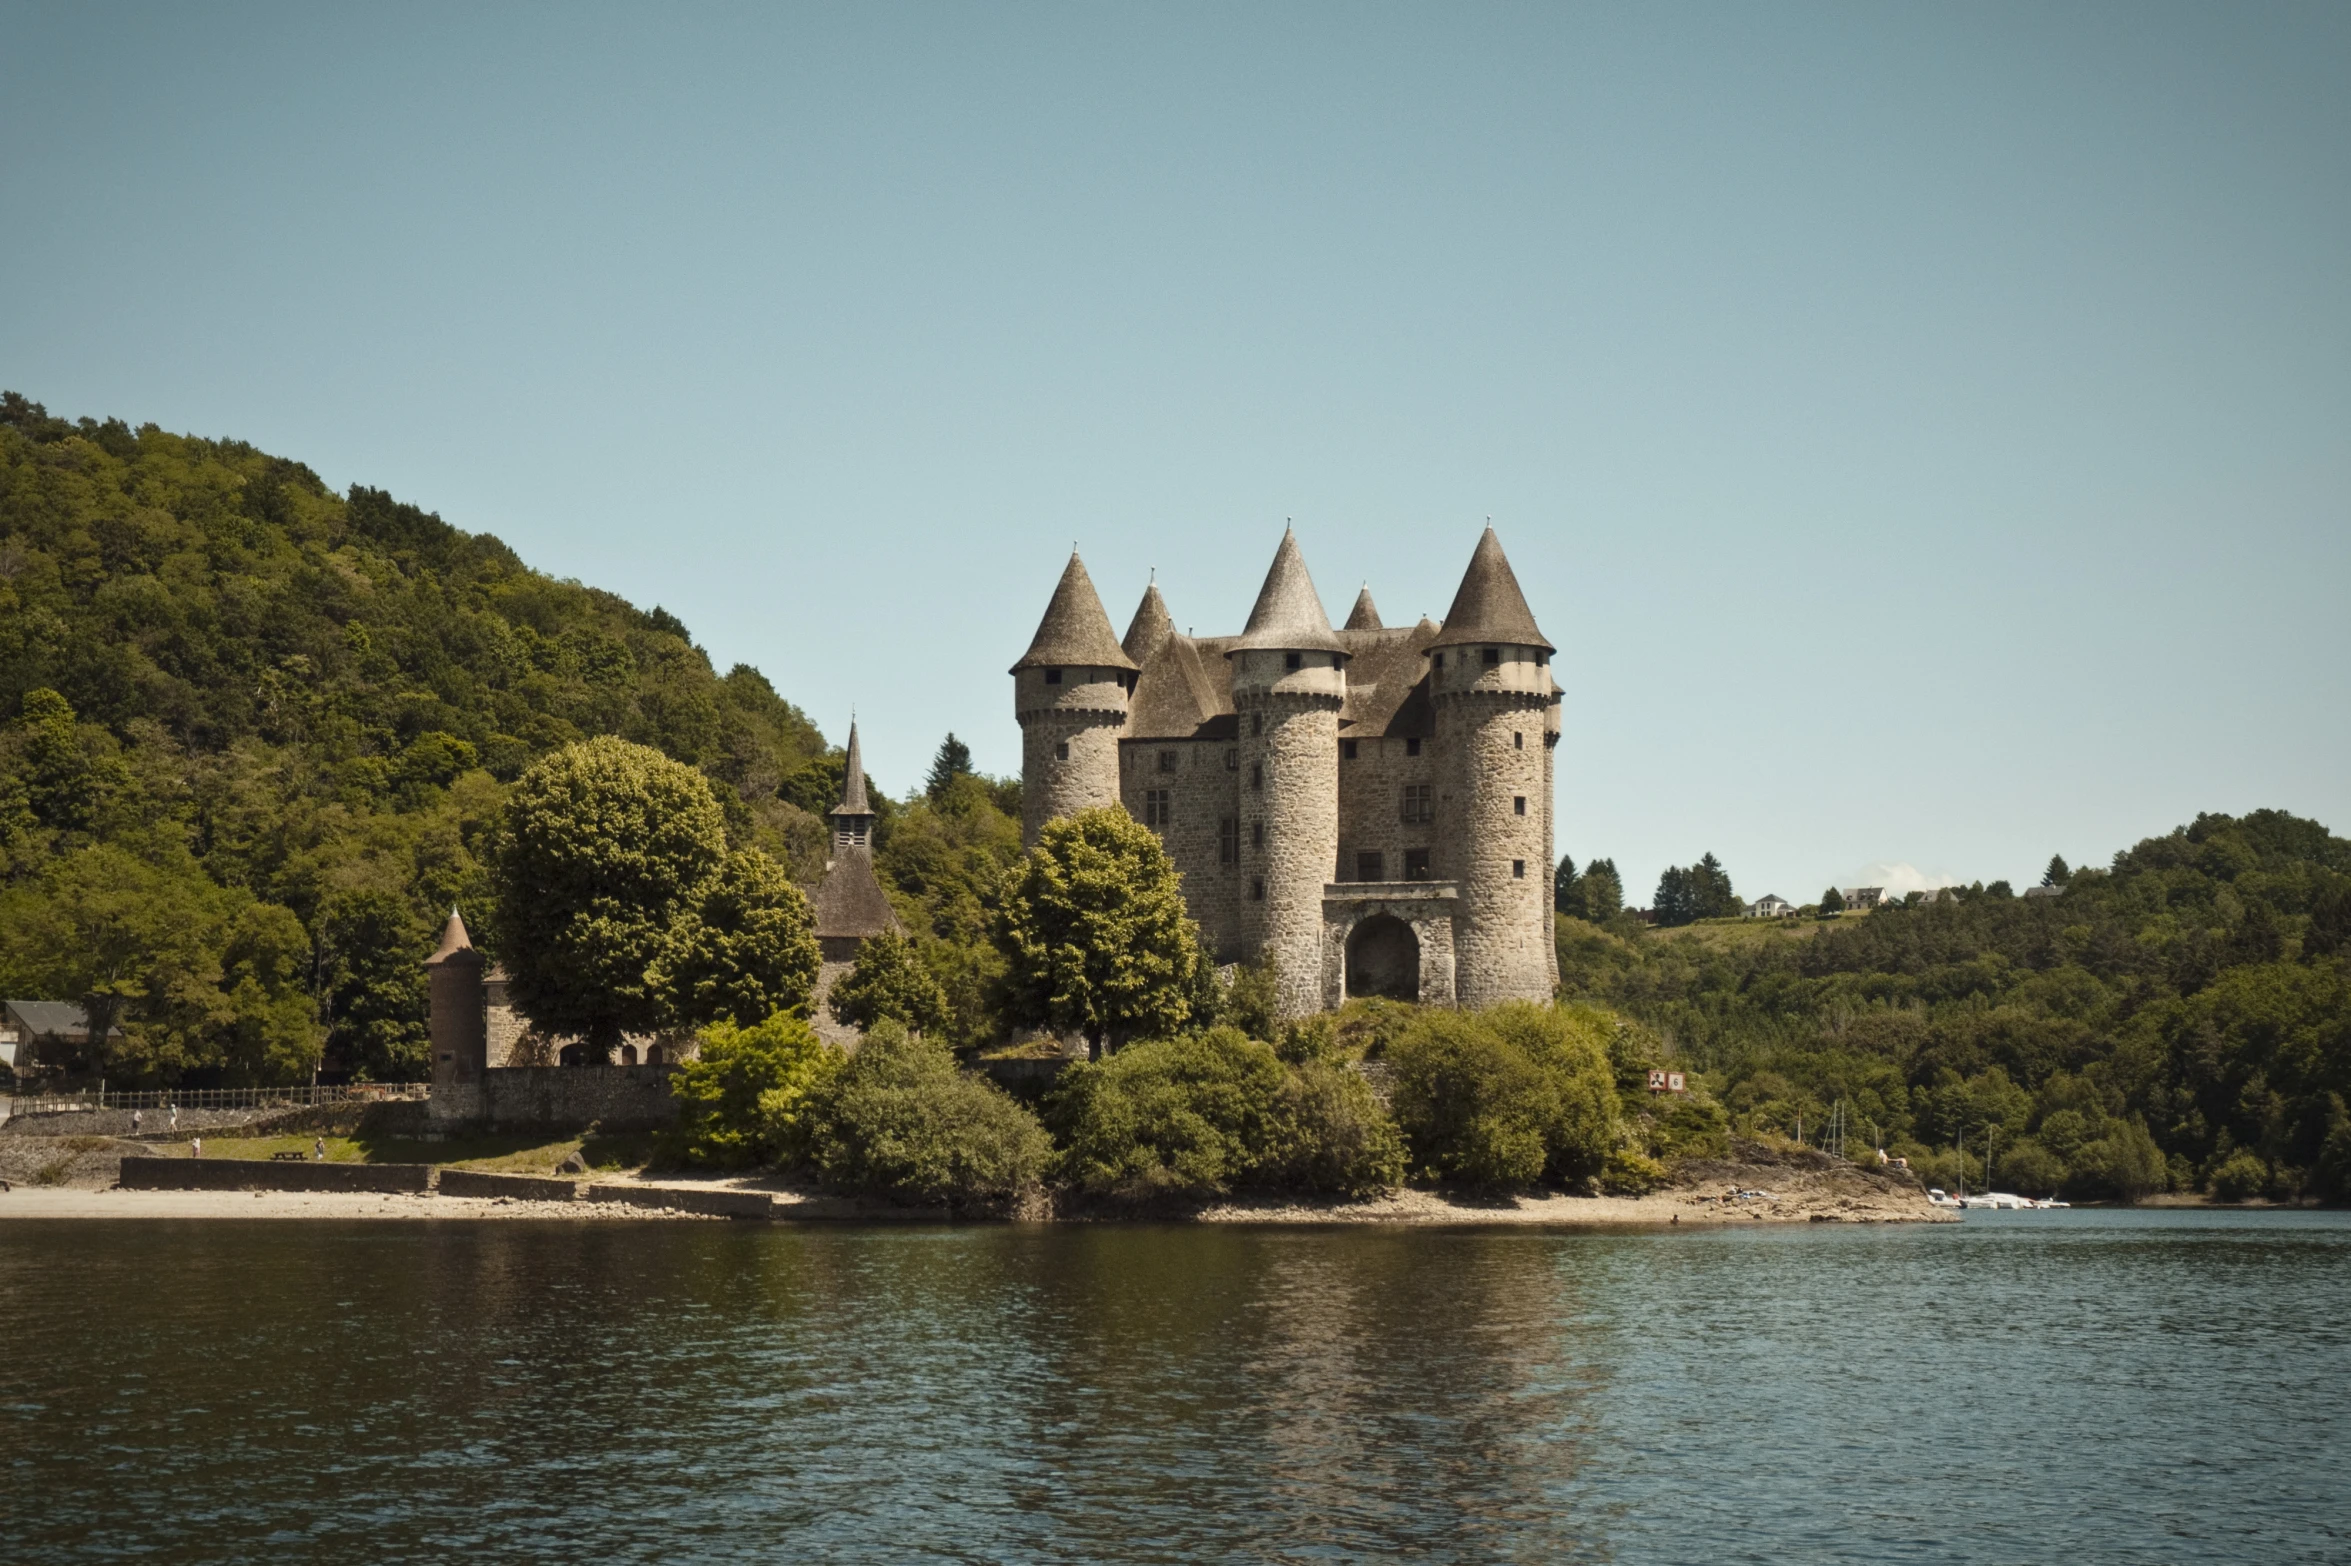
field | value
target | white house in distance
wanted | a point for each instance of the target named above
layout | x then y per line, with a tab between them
1862	896
1770	906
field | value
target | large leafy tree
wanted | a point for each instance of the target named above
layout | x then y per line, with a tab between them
606	846
1094	933
889	981
744	950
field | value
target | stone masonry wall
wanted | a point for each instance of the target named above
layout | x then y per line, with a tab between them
1491	724
1204	791
1087	712
1297	748
563	1098
1371	804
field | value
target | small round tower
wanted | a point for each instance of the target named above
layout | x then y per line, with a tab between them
1491	688
1070	691
457	1023
1289	682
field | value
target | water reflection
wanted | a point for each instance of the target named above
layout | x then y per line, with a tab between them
691	1392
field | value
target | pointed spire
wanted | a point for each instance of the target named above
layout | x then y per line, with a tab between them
1488	607
1289	613
1150	628
456	945
1365	616
853	801
1075	630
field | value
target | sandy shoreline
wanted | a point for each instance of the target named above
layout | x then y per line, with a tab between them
1662	1209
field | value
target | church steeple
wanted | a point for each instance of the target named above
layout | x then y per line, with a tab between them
853	817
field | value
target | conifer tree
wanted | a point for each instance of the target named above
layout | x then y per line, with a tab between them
2058	873
953	761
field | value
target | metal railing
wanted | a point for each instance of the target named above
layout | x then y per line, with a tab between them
216	1098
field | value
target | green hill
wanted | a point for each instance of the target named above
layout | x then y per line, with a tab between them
2182	1019
254	731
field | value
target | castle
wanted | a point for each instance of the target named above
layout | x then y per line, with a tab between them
1371	807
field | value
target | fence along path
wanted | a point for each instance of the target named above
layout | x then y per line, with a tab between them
217	1098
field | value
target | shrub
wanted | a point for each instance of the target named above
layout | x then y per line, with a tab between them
889	982
1628	1173
1472	1107
2240	1177
744	1101
1506	1096
1332	1135
1189	1116
2123	1164
902	1120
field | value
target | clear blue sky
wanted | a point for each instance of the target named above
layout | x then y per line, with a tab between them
1926	431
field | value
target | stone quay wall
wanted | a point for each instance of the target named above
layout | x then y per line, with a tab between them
562	1098
259	1174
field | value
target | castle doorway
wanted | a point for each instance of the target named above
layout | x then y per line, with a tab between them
1383	958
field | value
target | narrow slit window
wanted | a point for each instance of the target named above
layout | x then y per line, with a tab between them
1518	869
1061	751
1228	840
1256	891
1518	804
1256	834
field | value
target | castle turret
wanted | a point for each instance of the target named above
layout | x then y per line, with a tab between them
1070	692
1289	681
457	1024
1493	695
1149	630
1365	616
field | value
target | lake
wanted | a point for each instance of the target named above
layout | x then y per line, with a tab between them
2105	1386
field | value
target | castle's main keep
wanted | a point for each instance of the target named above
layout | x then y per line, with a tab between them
1370	806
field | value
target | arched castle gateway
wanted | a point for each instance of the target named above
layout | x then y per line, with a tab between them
1370	805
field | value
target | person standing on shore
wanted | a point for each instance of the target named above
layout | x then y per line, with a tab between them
321	1145
196	1148
175	1118
138	1118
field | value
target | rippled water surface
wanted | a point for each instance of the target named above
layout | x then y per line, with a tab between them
2026	1387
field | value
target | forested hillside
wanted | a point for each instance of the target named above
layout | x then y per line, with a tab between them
252	733
2182	1019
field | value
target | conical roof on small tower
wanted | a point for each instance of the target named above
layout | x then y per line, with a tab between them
849	902
1288	614
1150	628
1365	616
456	945
1076	630
1488	607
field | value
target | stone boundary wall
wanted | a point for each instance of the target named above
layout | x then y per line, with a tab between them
710	1204
259	1174
563	1098
523	1188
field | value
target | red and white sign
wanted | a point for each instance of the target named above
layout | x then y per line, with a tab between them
1656	1081
1673	1082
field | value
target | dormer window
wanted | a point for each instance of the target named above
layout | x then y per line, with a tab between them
1052	676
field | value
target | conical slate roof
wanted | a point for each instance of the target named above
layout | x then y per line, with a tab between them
1365	616
1288	614
1074	631
456	945
1150	628
853	802
1488	607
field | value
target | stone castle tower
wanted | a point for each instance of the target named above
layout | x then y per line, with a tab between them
1370	806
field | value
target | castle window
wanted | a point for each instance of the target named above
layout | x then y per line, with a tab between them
1052	676
1167	761
1518	740
1416	864
1518	804
1346	750
1542	659
1418	809
1256	724
1256	775
1518	869
1493	655
1440	660
1232	761
1228	840
1371	865
1156	810
1256	834
1256	890
1412	747
1061	751
1290	660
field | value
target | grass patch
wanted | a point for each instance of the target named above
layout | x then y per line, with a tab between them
518	1153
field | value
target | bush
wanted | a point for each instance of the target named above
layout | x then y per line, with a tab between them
1628	1173
1332	1135
1189	1116
744	1101
902	1120
2240	1177
2123	1164
889	982
1504	1097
